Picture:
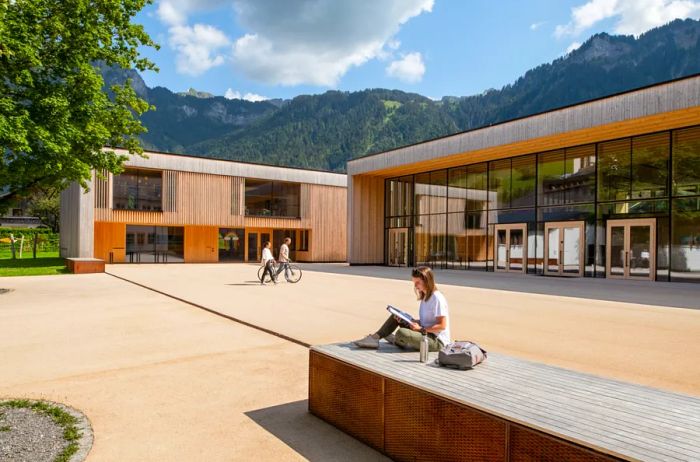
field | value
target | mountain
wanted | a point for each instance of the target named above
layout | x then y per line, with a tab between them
325	131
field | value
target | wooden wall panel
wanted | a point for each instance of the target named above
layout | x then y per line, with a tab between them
326	215
366	220
110	237
201	244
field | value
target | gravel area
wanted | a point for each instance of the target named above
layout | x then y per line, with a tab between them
29	435
26	435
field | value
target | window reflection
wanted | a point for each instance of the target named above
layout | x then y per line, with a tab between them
138	190
686	162
272	198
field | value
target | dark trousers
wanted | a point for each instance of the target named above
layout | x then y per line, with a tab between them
269	270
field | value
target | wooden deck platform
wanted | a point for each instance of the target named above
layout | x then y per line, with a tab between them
505	409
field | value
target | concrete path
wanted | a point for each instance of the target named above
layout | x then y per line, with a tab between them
158	379
648	344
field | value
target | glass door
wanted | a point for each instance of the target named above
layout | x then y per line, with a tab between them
631	249
510	252
563	248
398	247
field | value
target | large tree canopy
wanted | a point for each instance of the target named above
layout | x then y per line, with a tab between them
55	116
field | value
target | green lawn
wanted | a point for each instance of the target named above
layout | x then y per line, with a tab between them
45	263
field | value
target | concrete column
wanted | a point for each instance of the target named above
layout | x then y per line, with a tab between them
77	222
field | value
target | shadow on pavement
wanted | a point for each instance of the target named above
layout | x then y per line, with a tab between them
309	436
666	294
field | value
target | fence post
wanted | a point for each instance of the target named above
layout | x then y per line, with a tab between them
12	246
36	238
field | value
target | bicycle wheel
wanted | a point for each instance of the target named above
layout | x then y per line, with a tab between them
260	273
293	274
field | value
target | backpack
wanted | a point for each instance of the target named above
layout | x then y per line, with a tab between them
461	355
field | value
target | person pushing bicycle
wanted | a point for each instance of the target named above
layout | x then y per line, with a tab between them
283	258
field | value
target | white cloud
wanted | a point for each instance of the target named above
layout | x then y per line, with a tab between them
317	41
537	25
235	94
197	47
632	16
572	47
409	69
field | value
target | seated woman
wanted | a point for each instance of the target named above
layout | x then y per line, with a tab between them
432	318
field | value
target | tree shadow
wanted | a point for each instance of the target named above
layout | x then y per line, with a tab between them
309	436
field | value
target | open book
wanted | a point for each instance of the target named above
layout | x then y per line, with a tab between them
402	315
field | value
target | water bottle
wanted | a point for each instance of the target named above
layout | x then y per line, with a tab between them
424	348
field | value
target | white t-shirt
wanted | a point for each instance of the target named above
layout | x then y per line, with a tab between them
266	256
284	253
430	309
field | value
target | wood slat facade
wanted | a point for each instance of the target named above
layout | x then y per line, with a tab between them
202	202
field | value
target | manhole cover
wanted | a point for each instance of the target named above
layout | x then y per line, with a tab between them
4	291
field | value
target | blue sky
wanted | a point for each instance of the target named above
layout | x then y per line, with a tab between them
284	48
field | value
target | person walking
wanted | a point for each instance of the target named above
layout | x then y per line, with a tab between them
433	318
268	263
283	258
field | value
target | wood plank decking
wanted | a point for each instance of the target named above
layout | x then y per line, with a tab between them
528	406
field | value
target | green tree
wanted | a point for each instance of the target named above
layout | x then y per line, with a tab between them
46	205
55	116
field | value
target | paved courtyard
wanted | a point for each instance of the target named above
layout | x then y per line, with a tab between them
161	379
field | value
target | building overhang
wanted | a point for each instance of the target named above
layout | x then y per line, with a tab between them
183	163
660	107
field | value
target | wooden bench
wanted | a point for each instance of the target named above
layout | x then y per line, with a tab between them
505	409
85	265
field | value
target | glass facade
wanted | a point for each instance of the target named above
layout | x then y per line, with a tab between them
138	190
272	198
648	184
231	244
154	244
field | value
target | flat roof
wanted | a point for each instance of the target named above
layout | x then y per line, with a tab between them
196	164
663	97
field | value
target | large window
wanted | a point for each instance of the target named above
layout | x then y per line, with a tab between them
634	168
154	244
686	162
566	176
231	244
272	198
139	190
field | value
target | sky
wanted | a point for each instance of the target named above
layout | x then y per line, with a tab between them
261	49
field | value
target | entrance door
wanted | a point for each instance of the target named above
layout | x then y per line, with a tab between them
255	238
398	247
510	248
631	249
563	248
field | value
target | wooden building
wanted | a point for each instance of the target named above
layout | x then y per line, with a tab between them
167	208
604	188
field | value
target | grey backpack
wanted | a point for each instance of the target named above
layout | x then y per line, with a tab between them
461	355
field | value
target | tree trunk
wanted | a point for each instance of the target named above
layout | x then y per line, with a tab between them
12	246
36	238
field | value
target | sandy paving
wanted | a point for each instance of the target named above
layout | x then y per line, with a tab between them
158	379
647	344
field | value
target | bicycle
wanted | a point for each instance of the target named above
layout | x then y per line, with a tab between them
292	273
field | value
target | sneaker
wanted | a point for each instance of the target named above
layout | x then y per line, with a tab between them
390	338
367	342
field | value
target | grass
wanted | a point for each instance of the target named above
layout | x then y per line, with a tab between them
67	422
45	263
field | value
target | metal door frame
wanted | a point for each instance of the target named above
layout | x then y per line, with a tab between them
394	231
508	228
561	225
627	224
